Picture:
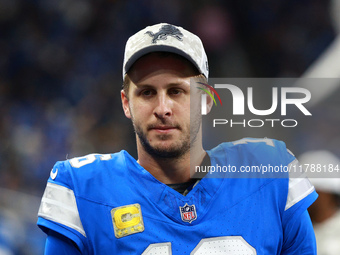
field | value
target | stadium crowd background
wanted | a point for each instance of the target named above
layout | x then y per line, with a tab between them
60	78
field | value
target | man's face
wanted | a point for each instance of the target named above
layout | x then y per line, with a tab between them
158	102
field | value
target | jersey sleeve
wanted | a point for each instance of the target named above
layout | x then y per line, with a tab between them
301	194
57	244
299	237
58	209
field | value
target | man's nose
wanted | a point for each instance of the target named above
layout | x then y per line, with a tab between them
164	106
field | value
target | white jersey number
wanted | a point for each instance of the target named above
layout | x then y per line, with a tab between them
235	245
267	141
88	159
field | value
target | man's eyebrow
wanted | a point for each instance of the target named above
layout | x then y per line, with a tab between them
143	85
172	84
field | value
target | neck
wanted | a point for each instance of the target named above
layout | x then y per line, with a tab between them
171	170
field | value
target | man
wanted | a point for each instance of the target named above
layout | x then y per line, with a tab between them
113	204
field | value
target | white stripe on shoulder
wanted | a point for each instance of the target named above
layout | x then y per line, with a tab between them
298	188
58	204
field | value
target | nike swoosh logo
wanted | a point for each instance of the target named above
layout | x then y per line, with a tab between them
54	174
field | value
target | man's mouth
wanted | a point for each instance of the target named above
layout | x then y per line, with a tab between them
164	129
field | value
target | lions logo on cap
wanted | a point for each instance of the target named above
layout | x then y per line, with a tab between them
164	32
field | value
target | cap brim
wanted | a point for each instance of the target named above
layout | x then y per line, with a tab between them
157	48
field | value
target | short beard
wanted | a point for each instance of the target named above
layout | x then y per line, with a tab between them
174	152
170	152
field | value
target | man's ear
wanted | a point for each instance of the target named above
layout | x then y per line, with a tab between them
125	104
210	102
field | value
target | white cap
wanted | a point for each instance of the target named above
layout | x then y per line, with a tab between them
169	38
324	158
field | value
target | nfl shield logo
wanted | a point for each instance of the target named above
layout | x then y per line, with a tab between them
188	213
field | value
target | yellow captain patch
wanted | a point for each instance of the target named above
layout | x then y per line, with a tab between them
127	220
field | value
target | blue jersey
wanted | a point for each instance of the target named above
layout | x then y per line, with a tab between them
109	204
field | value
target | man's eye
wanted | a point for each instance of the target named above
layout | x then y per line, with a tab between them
175	91
146	92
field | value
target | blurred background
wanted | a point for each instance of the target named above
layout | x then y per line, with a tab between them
60	80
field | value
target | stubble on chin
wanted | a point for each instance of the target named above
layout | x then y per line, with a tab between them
175	149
